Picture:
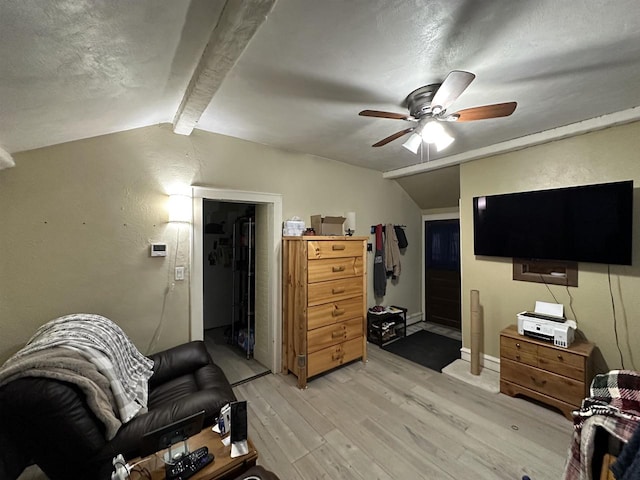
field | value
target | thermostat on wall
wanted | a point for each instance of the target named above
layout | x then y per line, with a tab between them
158	249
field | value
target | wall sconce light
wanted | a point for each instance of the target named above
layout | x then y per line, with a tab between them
350	223
6	160
179	207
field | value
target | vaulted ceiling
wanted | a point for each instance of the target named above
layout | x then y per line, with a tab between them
295	73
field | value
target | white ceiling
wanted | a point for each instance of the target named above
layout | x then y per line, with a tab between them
79	68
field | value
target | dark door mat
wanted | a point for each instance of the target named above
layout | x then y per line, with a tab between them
426	348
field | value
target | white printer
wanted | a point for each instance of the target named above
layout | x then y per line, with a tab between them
547	322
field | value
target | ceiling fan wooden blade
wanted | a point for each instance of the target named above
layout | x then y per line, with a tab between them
486	111
379	114
393	137
452	87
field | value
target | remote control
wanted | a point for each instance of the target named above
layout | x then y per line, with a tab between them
189	465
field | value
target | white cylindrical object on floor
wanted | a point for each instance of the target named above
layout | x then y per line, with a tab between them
476	331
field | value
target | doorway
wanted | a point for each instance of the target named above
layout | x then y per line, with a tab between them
267	306
229	288
442	273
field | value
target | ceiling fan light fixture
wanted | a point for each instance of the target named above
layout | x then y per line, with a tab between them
413	143
429	131
444	141
434	132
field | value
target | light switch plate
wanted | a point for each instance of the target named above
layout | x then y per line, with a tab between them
179	273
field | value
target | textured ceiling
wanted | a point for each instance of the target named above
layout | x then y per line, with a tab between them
79	68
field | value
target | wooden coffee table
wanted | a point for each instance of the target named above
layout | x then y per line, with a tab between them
222	467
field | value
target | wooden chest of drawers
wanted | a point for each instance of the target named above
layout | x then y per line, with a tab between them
325	303
557	376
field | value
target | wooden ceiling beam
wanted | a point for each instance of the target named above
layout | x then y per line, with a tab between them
238	23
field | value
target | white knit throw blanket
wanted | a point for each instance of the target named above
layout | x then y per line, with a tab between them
105	345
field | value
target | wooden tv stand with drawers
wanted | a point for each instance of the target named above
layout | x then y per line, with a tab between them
557	376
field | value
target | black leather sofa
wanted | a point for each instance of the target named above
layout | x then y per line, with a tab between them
48	422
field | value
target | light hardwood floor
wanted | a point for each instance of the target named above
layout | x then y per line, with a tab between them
393	419
231	358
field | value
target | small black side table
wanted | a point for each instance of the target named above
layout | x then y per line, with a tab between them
386	327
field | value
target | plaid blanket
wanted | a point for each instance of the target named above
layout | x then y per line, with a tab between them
618	391
105	345
68	366
614	405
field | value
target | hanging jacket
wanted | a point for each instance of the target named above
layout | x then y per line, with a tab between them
402	237
379	274
391	252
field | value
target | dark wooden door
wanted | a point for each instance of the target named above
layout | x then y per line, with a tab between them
442	272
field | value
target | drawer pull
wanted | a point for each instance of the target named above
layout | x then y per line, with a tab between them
338	269
560	357
517	345
539	383
337	333
337	247
335	291
338	312
337	356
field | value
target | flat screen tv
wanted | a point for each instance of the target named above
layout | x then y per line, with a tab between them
590	223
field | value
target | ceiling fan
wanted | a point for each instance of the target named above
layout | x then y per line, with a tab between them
430	103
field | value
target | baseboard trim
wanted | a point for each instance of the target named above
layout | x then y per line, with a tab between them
486	361
414	318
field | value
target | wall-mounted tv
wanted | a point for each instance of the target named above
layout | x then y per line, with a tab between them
590	223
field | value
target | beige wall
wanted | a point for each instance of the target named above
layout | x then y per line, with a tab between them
607	155
453	211
77	220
